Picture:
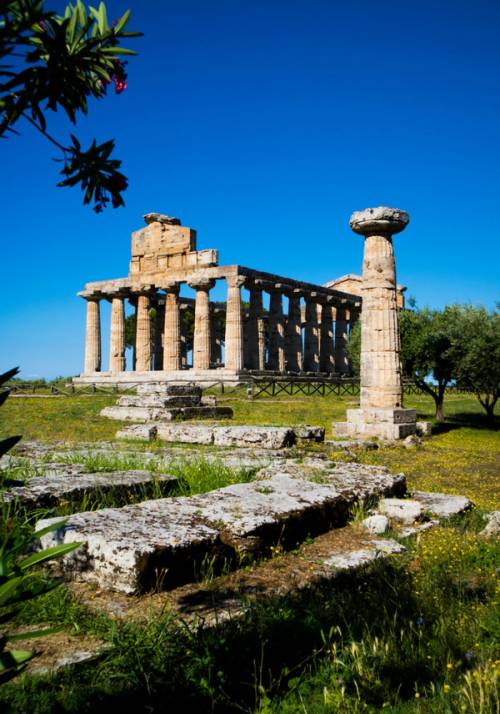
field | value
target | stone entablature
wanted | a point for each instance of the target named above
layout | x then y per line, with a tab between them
307	333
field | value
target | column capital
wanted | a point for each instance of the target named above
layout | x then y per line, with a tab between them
201	283
236	281
379	221
170	287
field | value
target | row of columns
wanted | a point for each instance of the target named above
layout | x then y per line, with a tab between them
325	334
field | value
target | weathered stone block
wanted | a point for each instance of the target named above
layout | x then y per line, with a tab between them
402	510
309	433
170	390
423	428
138	432
377	524
186	433
270	437
443	505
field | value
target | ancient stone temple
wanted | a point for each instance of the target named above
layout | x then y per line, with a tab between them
303	329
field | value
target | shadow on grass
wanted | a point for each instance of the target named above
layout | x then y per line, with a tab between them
166	666
471	420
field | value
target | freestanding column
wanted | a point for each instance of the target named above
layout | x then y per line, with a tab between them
256	331
341	361
381	413
172	329
93	337
326	362
117	335
311	337
276	357
234	324
293	333
143	335
202	327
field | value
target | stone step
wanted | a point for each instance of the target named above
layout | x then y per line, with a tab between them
145	414
329	558
135	547
70	483
170	390
158	400
262	437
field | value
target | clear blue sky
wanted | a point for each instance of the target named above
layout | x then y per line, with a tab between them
263	125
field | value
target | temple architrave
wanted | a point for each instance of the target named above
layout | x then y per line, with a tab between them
304	329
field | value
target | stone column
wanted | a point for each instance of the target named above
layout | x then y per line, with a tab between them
117	335
326	361
172	329
234	324
256	331
202	326
276	356
143	334
158	336
216	348
341	361
311	337
184	350
293	333
381	413
93	337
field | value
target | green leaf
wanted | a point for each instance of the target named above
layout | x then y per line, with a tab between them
13	658
8	589
48	529
55	551
117	51
35	633
122	21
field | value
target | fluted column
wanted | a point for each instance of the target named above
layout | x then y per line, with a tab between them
293	334
311	337
93	337
234	324
256	331
172	329
143	334
117	335
158	336
341	361
326	360
276	357
202	324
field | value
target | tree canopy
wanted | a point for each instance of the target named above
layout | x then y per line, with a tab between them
50	62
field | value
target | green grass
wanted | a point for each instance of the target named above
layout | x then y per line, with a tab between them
415	635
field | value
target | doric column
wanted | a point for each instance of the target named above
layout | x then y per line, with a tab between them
326	361
184	310
202	326
117	335
93	337
276	357
293	333
380	347
234	324
311	336
158	336
256	331
172	329
143	334
341	361
216	348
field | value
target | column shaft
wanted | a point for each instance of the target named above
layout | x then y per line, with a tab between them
381	384
93	337
143	335
311	338
276	357
117	336
158	336
172	332
202	326
326	362
293	335
234	324
256	332
341	361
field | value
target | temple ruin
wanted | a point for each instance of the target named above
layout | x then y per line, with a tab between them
232	339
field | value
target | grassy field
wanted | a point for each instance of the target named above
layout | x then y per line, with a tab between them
415	635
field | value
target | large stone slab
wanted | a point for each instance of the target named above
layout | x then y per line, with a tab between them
270	437
402	510
443	505
69	483
354	481
135	547
145	414
169	390
159	400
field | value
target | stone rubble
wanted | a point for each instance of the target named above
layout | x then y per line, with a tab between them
376	524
